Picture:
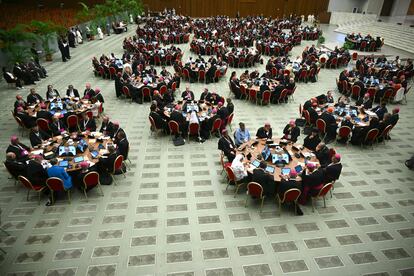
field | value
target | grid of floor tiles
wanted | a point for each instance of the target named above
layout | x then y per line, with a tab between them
172	215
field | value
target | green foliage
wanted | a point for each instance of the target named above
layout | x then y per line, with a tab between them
321	39
19	54
348	45
18	34
46	31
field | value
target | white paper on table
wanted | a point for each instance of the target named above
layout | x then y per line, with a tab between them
92	141
37	152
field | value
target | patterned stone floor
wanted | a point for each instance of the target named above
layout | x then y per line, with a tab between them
172	215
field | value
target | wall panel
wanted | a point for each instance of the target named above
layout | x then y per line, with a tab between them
274	8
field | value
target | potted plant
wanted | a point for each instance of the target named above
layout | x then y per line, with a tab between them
348	45
46	32
321	40
93	30
11	43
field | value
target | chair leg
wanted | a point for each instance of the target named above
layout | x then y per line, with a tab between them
261	205
100	189
4	252
296	206
237	190
324	202
113	178
247	198
86	196
27	197
69	196
280	208
313	204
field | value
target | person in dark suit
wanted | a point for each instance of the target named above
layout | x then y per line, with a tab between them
322	153
160	122
330	123
380	110
235	87
394	116
365	101
333	170
263	87
116	129
106	126
35	171
15	167
43	113
264	132
106	162
210	73
72	92
178	117
312	182
57	126
223	113
265	179
230	106
288	182
11	78
33	97
37	136
122	145
205	94
87	124
51	93
188	94
27	120
21	151
312	140
313	115
227	145
291	131
89	93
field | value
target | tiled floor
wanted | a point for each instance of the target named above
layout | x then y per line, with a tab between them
172	215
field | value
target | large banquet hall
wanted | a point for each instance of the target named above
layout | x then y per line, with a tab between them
189	137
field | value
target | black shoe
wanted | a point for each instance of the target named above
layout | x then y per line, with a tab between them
49	203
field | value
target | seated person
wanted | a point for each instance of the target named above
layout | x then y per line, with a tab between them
35	171
264	132
57	126
87	124
239	168
15	167
312	140
365	101
291	131
160	122
51	93
122	144
43	113
38	136
106	126
345	122
72	92
27	120
265	179
33	97
227	145
85	169
177	116
19	103
59	172
288	182
106	162
333	170
242	135
380	110
21	151
322	153
188	94
330	122
312	182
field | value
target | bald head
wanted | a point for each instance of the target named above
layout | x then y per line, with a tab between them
10	156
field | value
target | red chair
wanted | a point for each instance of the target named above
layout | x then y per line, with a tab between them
72	122
388	95
321	125
146	93
253	95
163	89
373	46
102	72
372	91
231	178
322	61
385	133
118	166
193	130
282	96
201	75
157	60
125	91
230	120
334	63
277	51
174	86
217	75
243	91
354	56
255	190
311	74
363	45
168	59
43	124
91	180
216	126
242	61
290	94
31	187
265	97
343	133
19	122
307	117
224	165
174	128
370	137
322	193
274	71
112	72
208	50
332	153
56	185
356	91
267	50
186	74
345	87
291	195
303	76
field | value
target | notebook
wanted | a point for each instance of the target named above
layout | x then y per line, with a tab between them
298	168
63	163
256	163
270	169
78	159
285	171
94	154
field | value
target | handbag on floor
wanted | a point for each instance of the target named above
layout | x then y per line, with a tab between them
178	141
